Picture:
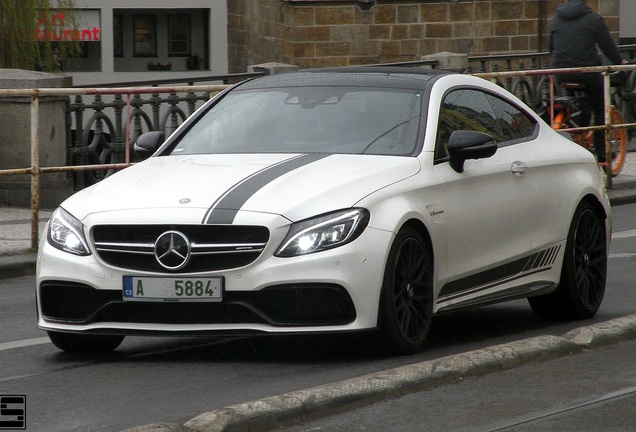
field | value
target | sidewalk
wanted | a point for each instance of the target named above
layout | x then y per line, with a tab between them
623	189
16	256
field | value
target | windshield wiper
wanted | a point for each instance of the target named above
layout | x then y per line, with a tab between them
383	134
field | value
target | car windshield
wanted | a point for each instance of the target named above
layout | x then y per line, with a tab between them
308	120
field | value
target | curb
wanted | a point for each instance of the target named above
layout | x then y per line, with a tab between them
621	196
17	265
305	405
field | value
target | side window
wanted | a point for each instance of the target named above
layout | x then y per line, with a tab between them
511	123
470	109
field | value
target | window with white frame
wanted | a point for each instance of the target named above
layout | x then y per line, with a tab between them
179	35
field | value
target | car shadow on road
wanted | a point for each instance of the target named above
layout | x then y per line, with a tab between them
450	334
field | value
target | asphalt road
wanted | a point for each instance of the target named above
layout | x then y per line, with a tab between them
590	390
174	380
587	392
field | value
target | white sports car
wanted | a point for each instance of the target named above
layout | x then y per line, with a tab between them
334	200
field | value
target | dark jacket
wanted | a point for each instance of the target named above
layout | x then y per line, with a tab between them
574	33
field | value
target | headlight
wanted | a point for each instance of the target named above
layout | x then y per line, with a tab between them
323	232
66	233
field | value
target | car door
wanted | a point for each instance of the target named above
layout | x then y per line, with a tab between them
490	209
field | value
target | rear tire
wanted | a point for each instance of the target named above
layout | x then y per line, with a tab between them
406	304
582	286
85	343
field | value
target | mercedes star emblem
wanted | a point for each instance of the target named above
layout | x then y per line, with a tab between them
172	250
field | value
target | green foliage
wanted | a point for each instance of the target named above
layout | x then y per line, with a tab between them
22	22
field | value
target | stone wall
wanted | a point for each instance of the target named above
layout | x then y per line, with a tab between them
15	139
315	33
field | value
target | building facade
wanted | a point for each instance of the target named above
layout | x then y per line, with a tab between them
321	33
124	41
142	40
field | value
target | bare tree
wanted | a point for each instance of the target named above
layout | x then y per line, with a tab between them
31	34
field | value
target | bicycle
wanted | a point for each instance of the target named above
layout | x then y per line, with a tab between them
573	111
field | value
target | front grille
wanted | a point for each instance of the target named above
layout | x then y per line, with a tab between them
213	247
281	305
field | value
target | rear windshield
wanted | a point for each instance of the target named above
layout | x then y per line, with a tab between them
308	120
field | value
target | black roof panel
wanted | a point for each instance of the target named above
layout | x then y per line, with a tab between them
372	76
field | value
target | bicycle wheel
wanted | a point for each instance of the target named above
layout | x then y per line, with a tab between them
618	140
521	88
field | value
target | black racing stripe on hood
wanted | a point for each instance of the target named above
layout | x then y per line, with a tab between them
224	209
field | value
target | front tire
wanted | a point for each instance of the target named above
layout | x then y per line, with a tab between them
85	344
406	305
583	275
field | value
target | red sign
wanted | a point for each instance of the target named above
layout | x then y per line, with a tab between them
58	31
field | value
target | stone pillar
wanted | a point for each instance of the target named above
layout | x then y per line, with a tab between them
449	61
15	139
273	68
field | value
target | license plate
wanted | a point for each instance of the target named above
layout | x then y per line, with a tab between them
173	289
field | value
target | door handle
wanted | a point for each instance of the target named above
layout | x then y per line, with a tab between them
518	168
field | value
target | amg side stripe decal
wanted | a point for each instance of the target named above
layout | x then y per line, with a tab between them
224	209
535	263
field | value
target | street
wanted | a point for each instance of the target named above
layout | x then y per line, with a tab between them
149	380
584	392
590	391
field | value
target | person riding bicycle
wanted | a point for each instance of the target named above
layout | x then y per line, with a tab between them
575	33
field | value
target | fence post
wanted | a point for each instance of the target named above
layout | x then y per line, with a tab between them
449	61
272	68
35	170
608	130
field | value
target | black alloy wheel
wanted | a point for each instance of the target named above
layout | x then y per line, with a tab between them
584	272
407	294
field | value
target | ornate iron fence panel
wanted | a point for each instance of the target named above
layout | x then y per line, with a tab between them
534	90
101	138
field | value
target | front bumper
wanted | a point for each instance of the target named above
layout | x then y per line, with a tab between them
334	290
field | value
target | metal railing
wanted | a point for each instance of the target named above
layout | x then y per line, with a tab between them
130	120
35	170
534	88
101	138
547	76
104	137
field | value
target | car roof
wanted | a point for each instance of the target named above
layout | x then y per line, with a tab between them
364	76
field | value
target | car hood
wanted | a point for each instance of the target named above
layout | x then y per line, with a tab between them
215	188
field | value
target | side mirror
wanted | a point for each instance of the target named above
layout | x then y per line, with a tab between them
148	143
467	144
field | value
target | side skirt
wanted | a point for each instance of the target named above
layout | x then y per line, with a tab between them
469	291
518	292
